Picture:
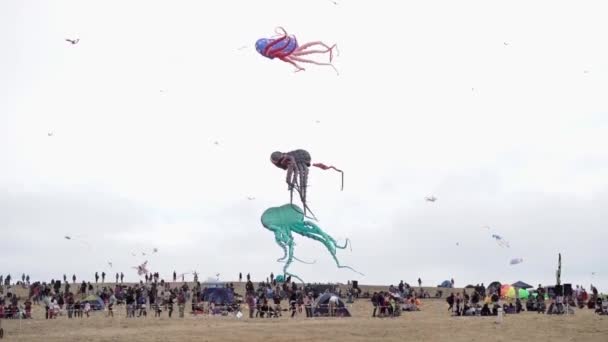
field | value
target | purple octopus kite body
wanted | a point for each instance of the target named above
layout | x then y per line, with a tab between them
285	47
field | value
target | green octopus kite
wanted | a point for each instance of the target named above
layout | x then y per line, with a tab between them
288	218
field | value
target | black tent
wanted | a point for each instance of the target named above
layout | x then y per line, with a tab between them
321	306
521	285
494	287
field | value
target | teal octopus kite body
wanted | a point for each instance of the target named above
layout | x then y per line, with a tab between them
288	218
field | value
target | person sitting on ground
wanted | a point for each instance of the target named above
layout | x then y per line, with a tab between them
485	310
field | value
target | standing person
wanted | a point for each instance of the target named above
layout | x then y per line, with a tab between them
65	279
333	302
27	279
419	282
308	305
174	276
540	299
181	303
271	277
121	277
111	303
96	278
240	277
248	277
292	304
23	278
74	278
116	277
375	303
251	303
452	281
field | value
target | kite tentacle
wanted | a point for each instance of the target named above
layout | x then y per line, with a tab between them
301	51
304	60
325	167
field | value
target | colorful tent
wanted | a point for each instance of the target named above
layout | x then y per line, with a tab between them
508	291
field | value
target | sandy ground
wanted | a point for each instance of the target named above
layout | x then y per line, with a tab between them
433	323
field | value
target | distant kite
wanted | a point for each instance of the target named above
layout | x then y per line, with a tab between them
141	269
110	263
516	261
67	237
431	199
155	250
73	41
501	242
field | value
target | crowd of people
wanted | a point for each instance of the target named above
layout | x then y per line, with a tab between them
480	303
264	301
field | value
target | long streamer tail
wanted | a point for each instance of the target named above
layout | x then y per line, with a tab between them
326	167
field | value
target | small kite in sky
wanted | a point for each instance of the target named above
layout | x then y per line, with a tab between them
75	238
141	269
285	47
516	261
50	134
250	198
501	242
154	250
431	199
110	263
73	41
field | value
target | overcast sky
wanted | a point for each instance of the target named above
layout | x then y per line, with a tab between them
497	108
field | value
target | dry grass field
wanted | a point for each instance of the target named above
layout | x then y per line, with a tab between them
433	323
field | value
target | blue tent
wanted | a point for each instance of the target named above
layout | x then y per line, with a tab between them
446	284
218	295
